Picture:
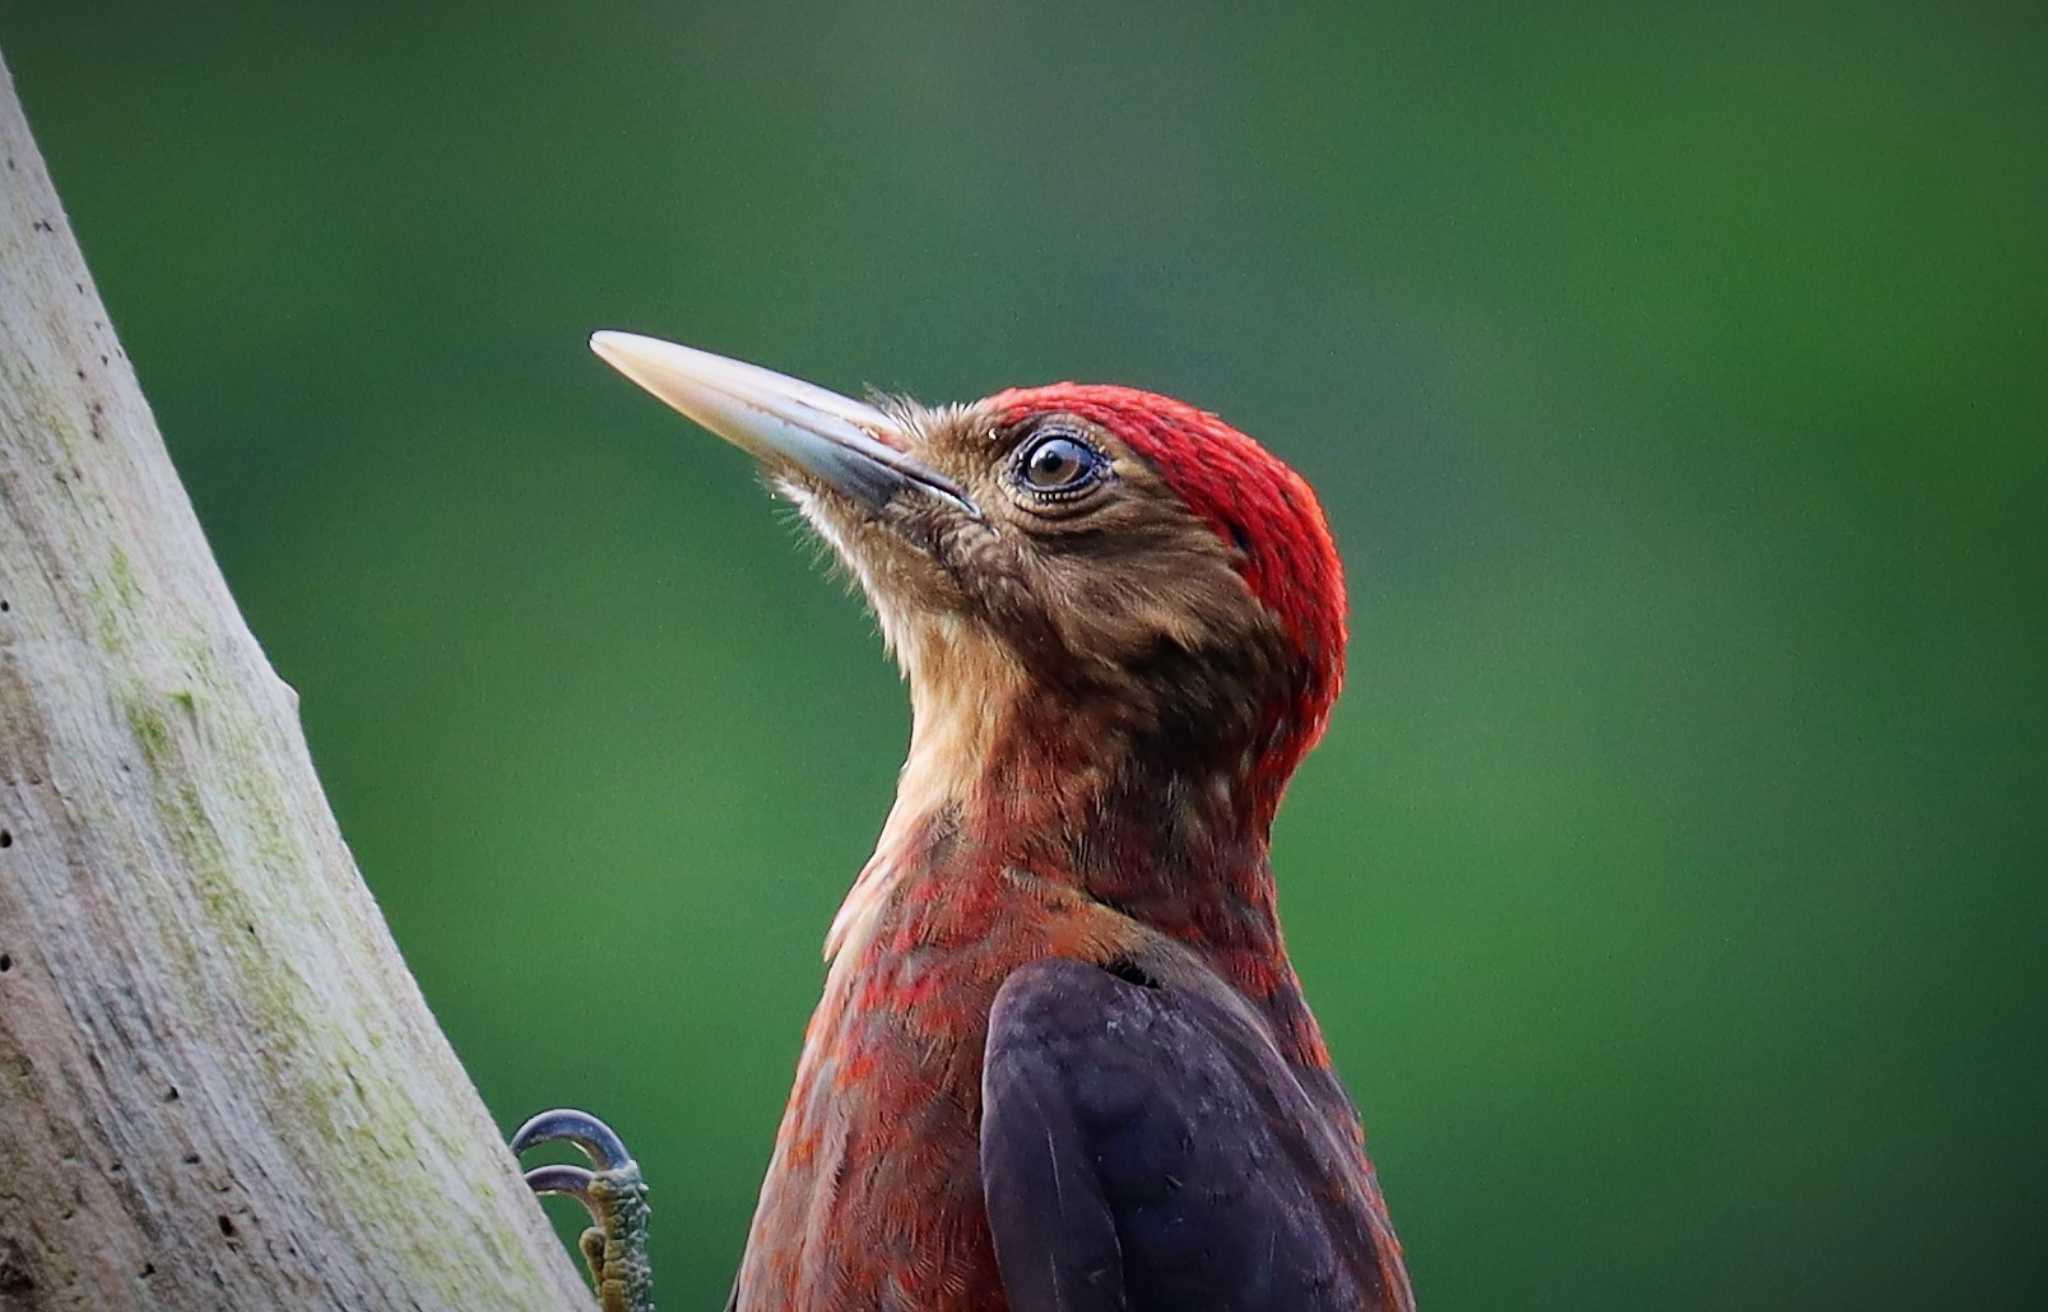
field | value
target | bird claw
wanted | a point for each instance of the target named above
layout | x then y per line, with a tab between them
614	1194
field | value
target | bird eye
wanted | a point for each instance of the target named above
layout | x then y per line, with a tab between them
1058	466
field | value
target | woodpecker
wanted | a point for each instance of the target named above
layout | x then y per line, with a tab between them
1061	1061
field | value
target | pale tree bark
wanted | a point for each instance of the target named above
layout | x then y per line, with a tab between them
219	1085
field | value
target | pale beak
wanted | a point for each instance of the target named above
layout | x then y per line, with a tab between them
843	443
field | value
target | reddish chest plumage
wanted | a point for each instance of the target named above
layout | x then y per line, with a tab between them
873	1199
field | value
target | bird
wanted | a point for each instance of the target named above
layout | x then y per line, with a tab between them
1061	1061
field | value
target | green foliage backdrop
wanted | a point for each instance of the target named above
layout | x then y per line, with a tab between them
1670	883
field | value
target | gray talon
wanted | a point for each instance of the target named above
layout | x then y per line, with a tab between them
615	1246
598	1141
569	1181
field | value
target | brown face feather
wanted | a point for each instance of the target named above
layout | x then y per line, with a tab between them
1120	600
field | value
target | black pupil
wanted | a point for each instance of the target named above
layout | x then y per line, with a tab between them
1057	462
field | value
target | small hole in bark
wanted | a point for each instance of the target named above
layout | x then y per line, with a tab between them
6	963
171	1094
148	1270
191	1159
5	607
227	1227
6	838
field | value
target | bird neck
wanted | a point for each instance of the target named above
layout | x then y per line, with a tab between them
1171	836
1015	790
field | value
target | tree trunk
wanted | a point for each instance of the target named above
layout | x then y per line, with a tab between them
219	1085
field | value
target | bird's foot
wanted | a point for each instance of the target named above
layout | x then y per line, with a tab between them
615	1247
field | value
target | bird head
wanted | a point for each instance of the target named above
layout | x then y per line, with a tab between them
1097	567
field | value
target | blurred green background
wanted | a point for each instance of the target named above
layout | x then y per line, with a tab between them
1670	883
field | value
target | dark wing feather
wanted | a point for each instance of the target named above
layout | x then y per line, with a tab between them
1146	1149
